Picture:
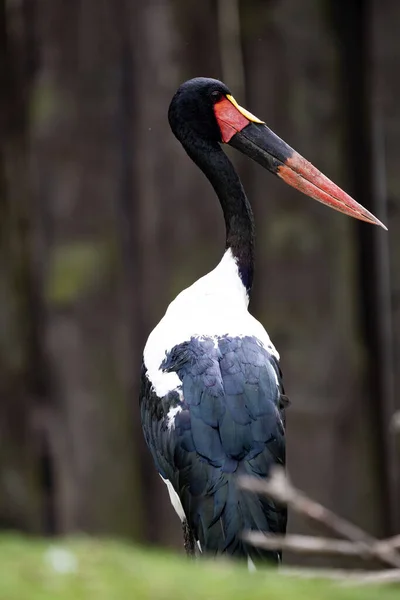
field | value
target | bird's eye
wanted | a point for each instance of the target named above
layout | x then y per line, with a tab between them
216	95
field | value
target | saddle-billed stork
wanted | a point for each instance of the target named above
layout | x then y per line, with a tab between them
212	401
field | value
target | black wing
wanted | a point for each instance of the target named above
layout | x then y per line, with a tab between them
230	422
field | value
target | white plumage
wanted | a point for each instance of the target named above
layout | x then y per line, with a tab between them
213	306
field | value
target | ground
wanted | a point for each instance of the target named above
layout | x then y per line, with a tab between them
86	569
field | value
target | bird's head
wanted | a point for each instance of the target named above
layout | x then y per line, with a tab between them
204	110
191	111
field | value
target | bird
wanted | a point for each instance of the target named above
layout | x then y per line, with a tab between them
212	401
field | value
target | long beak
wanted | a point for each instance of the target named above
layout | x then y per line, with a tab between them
262	145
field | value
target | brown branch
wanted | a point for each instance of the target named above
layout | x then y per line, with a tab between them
378	577
343	576
303	544
392	543
280	489
320	573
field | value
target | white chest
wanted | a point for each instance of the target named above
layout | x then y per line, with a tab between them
214	306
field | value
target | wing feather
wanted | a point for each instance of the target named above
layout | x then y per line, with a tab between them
229	421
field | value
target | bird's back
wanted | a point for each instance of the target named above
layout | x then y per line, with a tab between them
224	419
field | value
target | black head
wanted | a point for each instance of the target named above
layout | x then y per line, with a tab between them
203	114
191	109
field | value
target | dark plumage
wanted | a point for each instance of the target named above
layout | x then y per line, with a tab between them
230	424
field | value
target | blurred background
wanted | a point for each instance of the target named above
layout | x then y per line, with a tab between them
104	219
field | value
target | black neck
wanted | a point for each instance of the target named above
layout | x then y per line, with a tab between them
238	215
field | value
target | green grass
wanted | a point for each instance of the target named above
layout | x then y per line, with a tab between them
96	570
